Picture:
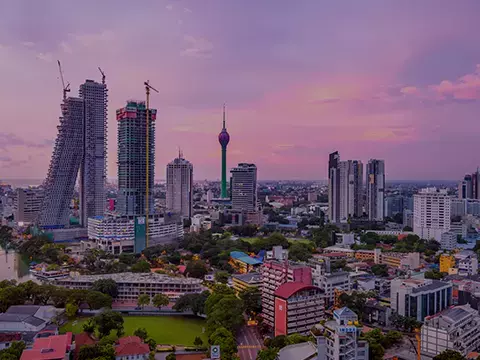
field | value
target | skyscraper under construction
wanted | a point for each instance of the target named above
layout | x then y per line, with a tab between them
132	159
80	146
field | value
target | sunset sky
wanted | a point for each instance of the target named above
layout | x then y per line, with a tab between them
394	80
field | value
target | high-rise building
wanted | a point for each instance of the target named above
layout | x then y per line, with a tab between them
64	165
27	205
465	188
180	187
244	187
334	187
375	189
224	139
132	158
351	189
431	213
93	167
394	205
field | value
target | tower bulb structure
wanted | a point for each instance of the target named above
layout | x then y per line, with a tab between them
224	139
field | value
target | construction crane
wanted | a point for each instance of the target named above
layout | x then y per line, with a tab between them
148	87
65	88
103	75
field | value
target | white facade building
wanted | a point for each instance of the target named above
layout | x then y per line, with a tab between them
180	187
431	213
466	263
27	205
376	189
328	282
244	187
453	329
448	241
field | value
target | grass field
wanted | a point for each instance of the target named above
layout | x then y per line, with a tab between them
172	330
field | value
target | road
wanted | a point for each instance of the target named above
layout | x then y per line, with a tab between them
249	342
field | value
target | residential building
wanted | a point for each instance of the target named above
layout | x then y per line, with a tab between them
56	347
132	158
277	253
351	189
244	187
453	329
431	213
397	260
83	339
6	339
419	298
275	273
93	169
242	282
180	187
447	262
408	218
298	307
131	285
64	166
200	222
224	139
117	234
27	205
375	189
27	318
448	241
340	337
131	347
243	263
466	263
376	313
328	282
334	187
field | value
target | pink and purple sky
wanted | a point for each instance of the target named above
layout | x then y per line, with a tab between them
395	80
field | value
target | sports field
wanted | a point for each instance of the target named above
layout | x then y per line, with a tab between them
169	330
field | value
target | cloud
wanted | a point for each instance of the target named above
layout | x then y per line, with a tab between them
169	7
187	10
8	140
409	90
28	44
92	39
197	47
466	87
65	47
47	57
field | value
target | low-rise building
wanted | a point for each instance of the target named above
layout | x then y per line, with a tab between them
298	307
27	318
131	285
397	260
448	241
243	263
466	263
328	282
302	351
341	337
242	282
446	263
419	298
453	329
131	347
55	347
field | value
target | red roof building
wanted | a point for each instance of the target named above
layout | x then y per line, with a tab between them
51	348
130	346
298	307
83	339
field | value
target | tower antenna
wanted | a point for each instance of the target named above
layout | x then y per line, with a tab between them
224	115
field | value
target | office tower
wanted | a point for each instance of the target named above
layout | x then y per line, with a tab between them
64	165
465	188
394	205
333	187
27	205
93	167
476	185
224	139
351	189
431	213
244	187
132	158
375	189
180	187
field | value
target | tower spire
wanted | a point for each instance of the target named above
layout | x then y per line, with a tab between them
223	115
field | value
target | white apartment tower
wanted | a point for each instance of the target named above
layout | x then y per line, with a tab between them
244	187
27	205
180	187
93	167
431	213
376	189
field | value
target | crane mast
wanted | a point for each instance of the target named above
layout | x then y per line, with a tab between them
67	87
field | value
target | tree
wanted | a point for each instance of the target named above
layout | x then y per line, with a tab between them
300	251
141	266
198	342
141	333
196	269
222	277
407	228
71	310
227	312
107	321
143	299
252	300
434	274
160	300
226	341
171	356
267	354
279	342
106	286
13	352
376	351
152	344
127	259
449	355
193	302
97	300
379	270
89	326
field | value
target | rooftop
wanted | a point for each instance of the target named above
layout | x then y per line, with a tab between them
50	348
289	289
129	277
131	345
301	351
241	256
250	278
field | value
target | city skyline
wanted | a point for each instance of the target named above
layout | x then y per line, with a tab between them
301	81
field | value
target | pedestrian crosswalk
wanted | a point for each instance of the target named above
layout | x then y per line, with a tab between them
249	347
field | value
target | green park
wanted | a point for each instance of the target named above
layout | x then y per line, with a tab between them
175	330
